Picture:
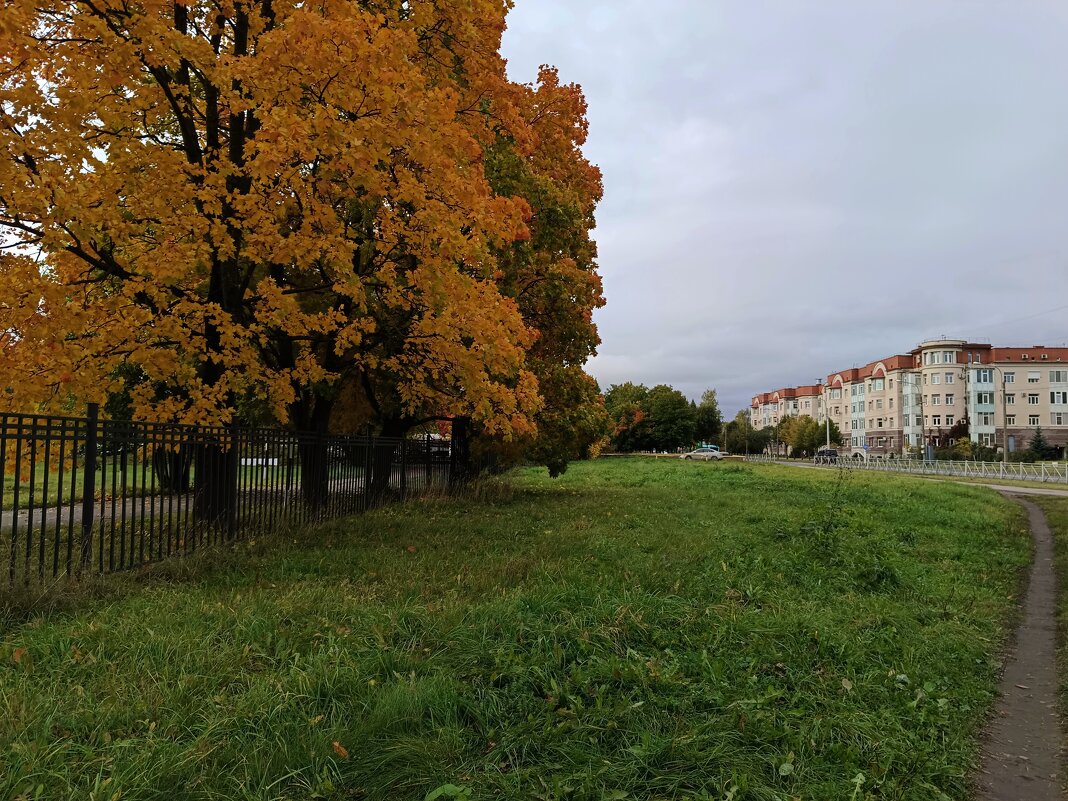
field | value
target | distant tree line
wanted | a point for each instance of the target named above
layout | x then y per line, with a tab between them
803	435
661	418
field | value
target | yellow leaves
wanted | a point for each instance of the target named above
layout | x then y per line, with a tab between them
337	221
340	750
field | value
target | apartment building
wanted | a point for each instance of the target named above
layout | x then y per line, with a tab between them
769	408
887	406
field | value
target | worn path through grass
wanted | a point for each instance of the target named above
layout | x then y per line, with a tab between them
636	629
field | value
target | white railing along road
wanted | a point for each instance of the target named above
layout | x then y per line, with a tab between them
1047	472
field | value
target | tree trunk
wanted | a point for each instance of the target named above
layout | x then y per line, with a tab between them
460	451
383	449
314	470
215	483
313	454
172	470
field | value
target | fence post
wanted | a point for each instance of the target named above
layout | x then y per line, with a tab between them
233	469
404	467
89	483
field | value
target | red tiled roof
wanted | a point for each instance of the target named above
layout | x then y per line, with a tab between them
1033	353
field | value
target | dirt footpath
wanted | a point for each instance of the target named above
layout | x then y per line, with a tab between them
1021	752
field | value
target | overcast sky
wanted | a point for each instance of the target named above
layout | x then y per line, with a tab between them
793	188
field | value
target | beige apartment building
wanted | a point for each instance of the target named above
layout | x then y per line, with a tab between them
887	406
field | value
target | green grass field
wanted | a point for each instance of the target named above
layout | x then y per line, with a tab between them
634	630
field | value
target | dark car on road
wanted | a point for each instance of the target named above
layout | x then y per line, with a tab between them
826	456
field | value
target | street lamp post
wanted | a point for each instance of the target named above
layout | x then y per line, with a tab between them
825	393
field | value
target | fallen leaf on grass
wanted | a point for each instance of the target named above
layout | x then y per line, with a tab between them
340	750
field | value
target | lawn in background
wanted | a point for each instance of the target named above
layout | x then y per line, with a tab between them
635	629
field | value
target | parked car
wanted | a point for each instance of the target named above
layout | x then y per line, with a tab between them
826	456
705	454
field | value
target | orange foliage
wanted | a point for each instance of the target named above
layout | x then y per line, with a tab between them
257	203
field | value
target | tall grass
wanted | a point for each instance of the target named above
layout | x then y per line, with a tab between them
635	629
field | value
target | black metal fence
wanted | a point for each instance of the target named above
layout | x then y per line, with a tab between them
81	494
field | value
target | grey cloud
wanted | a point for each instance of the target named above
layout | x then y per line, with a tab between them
793	188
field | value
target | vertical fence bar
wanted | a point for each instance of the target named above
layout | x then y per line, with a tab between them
109	443
102	462
142	454
42	540
89	484
3	485
124	466
32	496
60	473
368	461
73	495
17	480
233	462
167	493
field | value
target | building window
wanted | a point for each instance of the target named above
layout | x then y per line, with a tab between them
936	378
1032	377
1032	399
984	376
936	400
891	404
925	400
879	404
984	397
949	378
1010	397
1032	419
947	357
919	420
1010	378
1058	398
949	399
891	383
1058	376
1058	418
925	379
891	422
949	419
936	420
879	384
1010	419
985	418
986	439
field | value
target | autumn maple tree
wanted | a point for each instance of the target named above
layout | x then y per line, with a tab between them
263	208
